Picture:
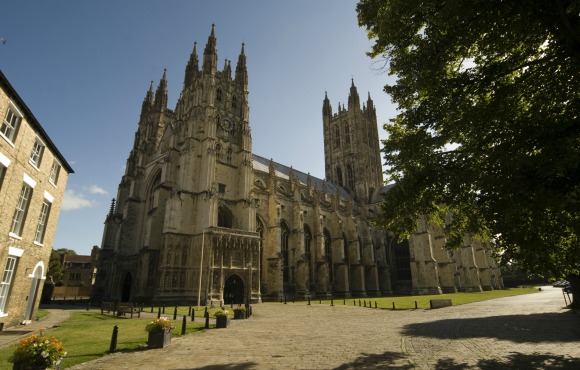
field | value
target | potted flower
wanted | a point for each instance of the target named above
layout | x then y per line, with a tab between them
159	332
38	353
222	318
239	312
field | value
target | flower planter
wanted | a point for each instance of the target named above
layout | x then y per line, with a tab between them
239	315
20	366
222	321
159	339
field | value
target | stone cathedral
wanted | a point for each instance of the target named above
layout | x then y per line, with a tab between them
199	217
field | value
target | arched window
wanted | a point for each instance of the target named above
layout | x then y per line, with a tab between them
345	248
234	101
327	245
307	240
225	217
229	156
336	136
349	177
346	133
218	152
151	199
285	235
360	249
219	94
339	176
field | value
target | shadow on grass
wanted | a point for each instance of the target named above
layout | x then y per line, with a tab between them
533	328
386	360
242	366
516	361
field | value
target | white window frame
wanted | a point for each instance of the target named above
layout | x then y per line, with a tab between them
43	220
54	172
4	163
7	282
37	152
21	208
11	127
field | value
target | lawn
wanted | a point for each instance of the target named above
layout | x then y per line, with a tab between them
87	334
422	301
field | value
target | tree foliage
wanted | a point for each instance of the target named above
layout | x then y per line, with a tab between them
55	268
488	129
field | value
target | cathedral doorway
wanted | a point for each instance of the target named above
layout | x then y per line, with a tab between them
234	290
126	293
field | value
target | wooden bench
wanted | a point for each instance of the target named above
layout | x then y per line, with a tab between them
107	306
128	308
440	303
120	309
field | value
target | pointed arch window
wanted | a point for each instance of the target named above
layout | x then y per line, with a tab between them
285	239
225	217
218	152
349	177
234	101
346	133
229	154
307	252
339	176
360	250
152	198
327	245
336	136
345	248
219	94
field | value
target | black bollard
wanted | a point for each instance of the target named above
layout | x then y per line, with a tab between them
353	302
159	312
175	313
207	320
205	311
183	325
344	302
415	304
164	309
113	346
331	302
359	302
189	312
375	304
285	299
393	306
320	301
152	308
192	313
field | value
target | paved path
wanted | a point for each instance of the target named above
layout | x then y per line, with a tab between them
524	332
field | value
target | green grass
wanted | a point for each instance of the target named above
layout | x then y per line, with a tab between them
87	335
408	302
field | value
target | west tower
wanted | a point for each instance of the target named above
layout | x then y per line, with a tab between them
351	146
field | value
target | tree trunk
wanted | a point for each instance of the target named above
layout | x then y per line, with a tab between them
575	288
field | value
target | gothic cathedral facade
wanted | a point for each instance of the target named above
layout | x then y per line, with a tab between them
199	217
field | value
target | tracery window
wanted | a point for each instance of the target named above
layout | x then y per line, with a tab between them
218	152
349	177
229	155
234	101
346	133
285	236
219	94
339	176
336	136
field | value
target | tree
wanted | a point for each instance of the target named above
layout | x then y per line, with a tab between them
487	139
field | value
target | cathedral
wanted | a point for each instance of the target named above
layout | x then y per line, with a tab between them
199	218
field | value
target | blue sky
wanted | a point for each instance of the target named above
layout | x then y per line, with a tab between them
83	68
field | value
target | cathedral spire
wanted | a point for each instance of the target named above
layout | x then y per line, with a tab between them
192	66
148	101
353	99
210	53
326	107
161	93
241	71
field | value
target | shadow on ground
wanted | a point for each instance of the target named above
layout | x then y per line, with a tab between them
516	361
243	366
386	360
533	328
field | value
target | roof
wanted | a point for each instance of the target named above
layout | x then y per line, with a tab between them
10	91
77	258
262	164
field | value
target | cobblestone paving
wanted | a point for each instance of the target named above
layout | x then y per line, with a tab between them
525	332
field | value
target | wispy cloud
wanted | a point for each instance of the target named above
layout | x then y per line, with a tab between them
82	199
72	200
95	189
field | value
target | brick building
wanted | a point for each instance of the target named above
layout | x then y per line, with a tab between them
33	176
